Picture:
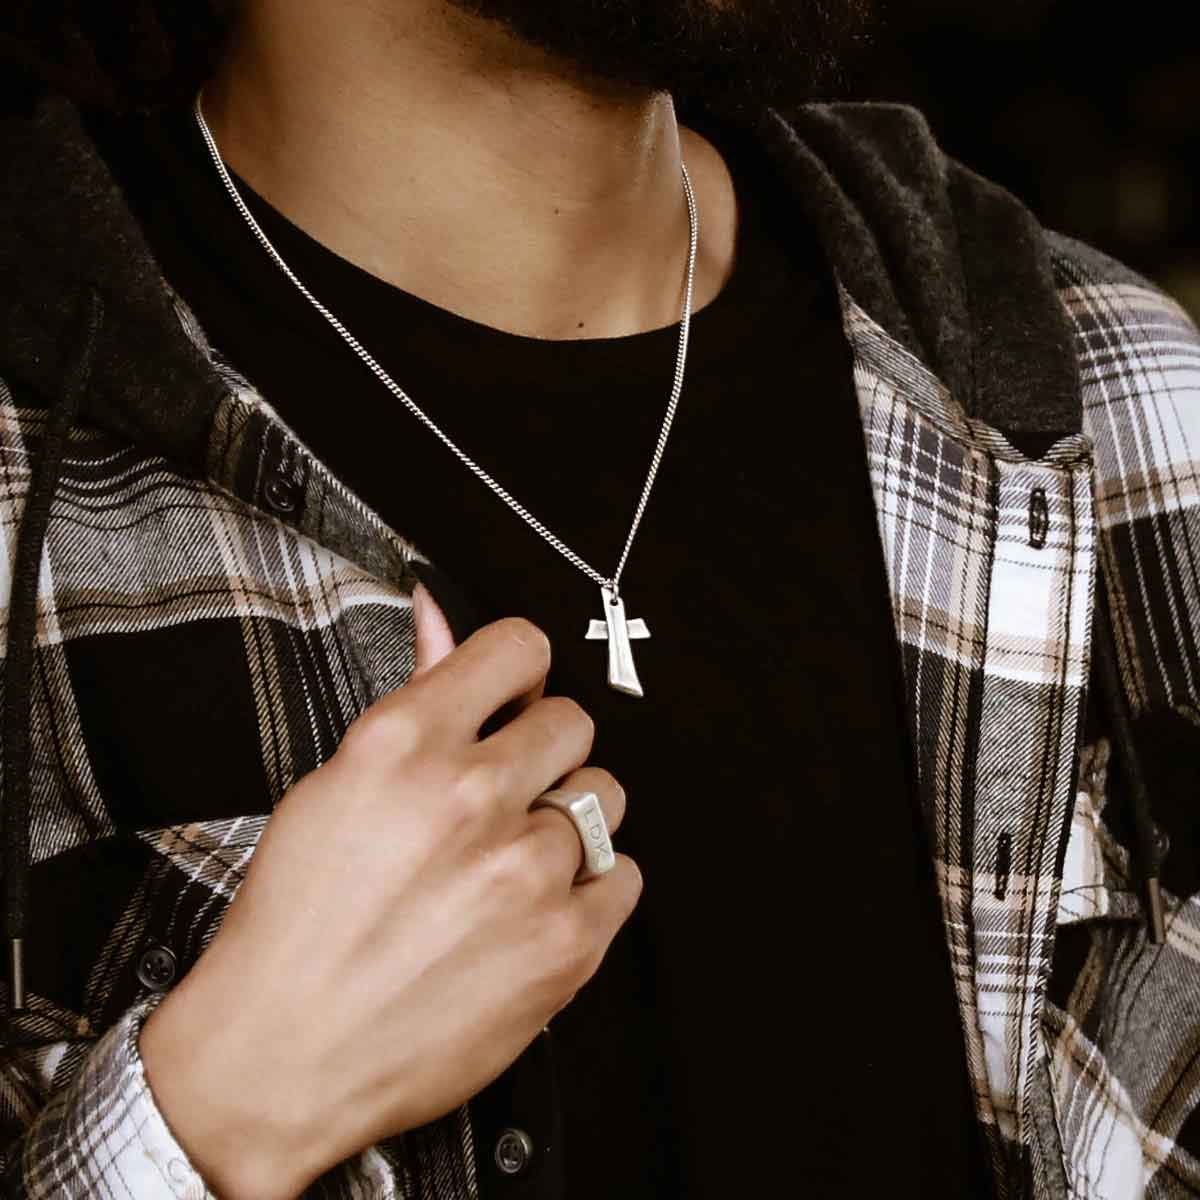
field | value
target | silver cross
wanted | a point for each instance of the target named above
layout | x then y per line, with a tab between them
622	674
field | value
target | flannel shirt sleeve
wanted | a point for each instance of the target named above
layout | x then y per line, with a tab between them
103	1135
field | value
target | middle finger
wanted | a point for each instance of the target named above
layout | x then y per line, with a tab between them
547	740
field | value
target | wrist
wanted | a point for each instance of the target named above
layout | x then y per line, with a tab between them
221	1104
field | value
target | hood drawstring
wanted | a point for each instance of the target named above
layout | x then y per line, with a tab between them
22	638
1151	845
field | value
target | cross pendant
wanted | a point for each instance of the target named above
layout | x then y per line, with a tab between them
622	674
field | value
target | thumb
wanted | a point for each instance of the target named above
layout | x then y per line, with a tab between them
434	639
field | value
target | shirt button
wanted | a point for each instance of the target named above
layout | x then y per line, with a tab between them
514	1149
156	968
280	494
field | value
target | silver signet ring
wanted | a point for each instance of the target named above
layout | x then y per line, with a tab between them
585	813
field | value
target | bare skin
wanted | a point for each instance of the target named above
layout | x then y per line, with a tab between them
330	1010
405	929
444	156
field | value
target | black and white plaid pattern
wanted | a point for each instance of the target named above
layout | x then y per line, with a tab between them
1124	1048
993	562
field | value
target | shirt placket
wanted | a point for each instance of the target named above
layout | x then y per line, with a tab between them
1034	673
990	561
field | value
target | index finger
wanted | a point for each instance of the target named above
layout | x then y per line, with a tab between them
502	663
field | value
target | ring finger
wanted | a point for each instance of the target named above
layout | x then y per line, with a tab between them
556	831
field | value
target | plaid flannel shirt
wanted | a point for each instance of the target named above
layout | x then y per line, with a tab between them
993	564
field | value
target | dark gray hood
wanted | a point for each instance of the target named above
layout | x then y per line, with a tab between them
910	233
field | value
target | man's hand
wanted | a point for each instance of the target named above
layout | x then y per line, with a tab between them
406	928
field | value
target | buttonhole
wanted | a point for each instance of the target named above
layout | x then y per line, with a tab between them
1003	864
1039	518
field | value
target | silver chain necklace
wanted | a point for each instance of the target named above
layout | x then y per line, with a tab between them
616	629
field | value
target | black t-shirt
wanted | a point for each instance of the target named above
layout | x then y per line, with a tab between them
778	1013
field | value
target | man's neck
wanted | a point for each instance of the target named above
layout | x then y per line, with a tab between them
444	156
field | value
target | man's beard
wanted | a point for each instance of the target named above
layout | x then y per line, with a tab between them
733	54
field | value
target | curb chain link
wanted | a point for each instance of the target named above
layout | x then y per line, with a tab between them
398	392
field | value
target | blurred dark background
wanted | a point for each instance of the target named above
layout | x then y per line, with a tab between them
1089	112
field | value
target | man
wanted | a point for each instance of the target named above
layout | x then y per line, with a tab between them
423	427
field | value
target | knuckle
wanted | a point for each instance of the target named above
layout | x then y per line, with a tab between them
540	864
609	783
636	882
566	946
380	731
622	887
362	735
476	790
509	870
632	883
573	716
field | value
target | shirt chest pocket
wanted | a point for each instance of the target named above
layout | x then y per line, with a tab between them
128	914
215	719
192	873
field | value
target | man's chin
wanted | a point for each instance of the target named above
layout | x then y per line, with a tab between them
734	54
